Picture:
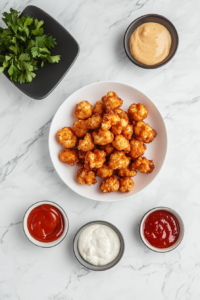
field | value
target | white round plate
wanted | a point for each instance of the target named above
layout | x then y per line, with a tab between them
92	93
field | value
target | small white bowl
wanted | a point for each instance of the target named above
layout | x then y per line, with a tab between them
38	243
181	227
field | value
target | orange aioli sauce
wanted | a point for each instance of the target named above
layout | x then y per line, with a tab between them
150	43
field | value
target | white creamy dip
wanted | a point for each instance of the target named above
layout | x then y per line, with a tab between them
99	244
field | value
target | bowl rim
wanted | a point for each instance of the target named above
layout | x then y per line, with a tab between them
118	232
137	63
24	224
125	84
51	90
152	248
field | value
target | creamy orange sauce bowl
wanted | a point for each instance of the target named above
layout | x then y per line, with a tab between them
151	41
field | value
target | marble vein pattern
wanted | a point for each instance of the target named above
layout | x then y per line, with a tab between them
27	175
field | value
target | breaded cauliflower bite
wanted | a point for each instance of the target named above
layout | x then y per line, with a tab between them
66	137
126	184
143	165
127	132
80	128
137	148
109	148
123	115
94	160
99	108
69	156
110	185
109	119
87	143
144	132
138	112
86	177
81	156
94	122
120	143
102	137
117	129
105	171
112	100
126	172
83	110
118	160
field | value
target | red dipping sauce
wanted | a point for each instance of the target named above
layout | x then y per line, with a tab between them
45	223
161	229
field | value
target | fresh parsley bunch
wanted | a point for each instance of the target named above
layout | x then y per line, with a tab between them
23	45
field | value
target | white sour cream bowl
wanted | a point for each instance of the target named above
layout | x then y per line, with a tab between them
98	245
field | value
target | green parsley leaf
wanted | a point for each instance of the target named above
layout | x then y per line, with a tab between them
5	64
53	59
29	76
22	78
28	21
24	56
14	49
44	50
7	57
35	51
50	42
39	41
26	66
38	30
13	72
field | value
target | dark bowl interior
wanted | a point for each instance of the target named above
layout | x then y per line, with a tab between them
48	77
156	19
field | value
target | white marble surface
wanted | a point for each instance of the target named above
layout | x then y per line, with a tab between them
27	175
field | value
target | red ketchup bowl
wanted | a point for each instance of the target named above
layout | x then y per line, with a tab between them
45	224
161	229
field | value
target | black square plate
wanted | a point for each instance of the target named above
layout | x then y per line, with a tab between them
48	77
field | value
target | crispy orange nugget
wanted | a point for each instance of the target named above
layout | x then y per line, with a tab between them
66	137
137	148
86	177
143	165
126	184
112	100
126	172
105	171
138	112
80	128
69	156
144	132
117	129
94	122
121	143
109	119
109	148
102	137
87	143
110	185
118	160
83	110
94	160
127	132
99	108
